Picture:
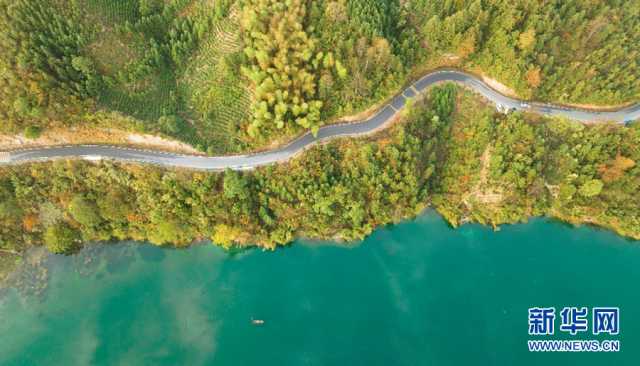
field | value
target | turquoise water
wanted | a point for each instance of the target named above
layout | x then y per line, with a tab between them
418	293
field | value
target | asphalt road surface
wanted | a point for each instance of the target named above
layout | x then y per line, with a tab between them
380	120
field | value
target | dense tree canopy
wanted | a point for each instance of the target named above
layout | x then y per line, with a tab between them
234	75
283	57
450	152
575	51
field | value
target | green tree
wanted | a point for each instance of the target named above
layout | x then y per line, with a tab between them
591	188
9	209
84	211
61	239
235	185
32	132
172	125
168	231
83	64
115	206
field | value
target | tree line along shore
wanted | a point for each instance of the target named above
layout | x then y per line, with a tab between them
450	151
231	76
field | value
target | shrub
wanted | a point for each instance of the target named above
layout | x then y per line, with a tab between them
32	132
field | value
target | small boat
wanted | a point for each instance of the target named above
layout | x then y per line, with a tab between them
257	321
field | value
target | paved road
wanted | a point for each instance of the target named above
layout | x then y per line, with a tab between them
378	121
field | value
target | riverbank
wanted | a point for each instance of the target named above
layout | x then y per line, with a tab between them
451	152
137	304
29	274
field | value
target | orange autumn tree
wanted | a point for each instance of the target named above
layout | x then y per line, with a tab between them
533	77
615	169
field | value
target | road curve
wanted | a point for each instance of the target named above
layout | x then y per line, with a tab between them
378	121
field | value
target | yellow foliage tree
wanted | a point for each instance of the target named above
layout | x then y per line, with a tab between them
225	235
283	65
527	39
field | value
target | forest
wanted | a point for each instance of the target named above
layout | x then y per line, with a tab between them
450	152
345	188
232	76
238	75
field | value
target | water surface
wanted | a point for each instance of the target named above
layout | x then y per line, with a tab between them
418	293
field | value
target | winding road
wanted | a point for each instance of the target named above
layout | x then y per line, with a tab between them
380	120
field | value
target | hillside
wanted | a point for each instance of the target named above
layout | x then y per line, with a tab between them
450	151
230	76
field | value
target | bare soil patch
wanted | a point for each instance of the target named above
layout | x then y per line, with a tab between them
65	136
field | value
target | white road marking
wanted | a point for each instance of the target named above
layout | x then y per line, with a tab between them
280	154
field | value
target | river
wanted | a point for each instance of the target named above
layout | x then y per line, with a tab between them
416	293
